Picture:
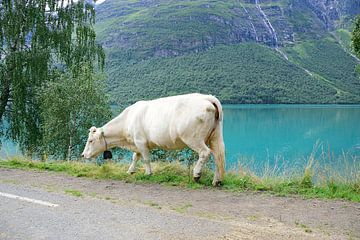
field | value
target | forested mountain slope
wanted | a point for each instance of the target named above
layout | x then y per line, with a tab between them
243	51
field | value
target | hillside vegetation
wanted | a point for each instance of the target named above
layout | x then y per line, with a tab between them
330	64
279	51
236	73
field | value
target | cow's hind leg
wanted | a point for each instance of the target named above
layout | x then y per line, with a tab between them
135	158
204	154
218	150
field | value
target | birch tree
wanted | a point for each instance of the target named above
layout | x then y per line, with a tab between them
69	107
37	39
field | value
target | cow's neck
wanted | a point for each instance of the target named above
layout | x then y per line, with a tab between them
114	132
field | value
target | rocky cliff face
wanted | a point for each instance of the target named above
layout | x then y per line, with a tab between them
331	12
170	28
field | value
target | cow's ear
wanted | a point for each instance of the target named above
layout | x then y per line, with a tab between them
93	129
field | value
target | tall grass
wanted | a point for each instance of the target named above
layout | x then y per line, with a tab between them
321	177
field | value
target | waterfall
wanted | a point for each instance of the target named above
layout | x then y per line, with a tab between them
252	25
272	31
282	53
267	24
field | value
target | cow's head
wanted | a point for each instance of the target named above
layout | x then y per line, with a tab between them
94	144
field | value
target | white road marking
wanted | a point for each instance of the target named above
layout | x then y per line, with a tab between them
48	204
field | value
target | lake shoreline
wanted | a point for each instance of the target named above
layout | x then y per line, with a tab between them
281	135
300	183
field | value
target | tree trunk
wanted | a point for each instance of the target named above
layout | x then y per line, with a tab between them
69	149
5	95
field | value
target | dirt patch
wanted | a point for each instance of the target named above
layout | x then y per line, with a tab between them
249	215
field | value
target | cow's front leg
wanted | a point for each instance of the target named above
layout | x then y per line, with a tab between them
146	158
135	158
141	145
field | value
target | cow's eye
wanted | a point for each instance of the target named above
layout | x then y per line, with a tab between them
90	141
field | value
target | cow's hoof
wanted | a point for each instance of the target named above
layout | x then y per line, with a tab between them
197	178
217	183
131	173
148	174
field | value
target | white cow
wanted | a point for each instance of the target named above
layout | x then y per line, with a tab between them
170	123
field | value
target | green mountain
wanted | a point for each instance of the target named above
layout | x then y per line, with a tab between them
243	51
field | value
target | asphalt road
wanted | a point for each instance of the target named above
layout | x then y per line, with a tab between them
37	205
91	218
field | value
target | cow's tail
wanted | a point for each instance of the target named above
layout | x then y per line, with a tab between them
216	142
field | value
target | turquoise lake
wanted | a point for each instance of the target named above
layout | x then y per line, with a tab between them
288	134
276	134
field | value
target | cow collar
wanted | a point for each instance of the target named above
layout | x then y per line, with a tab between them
107	154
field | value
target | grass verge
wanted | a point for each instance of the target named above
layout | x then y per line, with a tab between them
73	192
176	174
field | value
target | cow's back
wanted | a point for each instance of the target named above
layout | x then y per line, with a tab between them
164	122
